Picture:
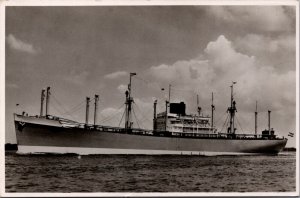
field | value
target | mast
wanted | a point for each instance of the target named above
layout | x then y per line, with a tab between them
256	118
198	108
96	107
212	110
128	103
166	116
154	115
87	110
269	120
169	92
47	101
232	110
42	102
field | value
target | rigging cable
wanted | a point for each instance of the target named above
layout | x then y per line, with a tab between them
145	81
61	106
56	100
75	110
239	124
144	117
77	107
225	123
136	119
112	116
122	117
220	118
243	121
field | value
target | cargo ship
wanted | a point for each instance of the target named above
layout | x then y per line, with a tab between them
174	133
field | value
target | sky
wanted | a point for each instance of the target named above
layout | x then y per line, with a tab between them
83	51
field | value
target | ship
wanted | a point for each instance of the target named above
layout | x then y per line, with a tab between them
174	133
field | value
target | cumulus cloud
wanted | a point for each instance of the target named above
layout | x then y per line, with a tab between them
265	18
111	116
219	65
142	114
278	51
257	44
17	44
115	75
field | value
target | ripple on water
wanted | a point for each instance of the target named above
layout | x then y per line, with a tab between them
108	173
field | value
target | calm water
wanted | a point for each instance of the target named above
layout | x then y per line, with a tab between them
121	173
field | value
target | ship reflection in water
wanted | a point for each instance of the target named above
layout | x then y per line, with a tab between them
142	173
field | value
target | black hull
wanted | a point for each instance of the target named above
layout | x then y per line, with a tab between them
54	138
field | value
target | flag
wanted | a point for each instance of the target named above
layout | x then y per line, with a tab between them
291	134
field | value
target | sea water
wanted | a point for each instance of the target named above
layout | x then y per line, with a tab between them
142	173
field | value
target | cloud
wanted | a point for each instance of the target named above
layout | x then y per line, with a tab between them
278	51
219	65
111	116
19	45
264	18
257	44
122	88
142	114
77	78
115	75
143	110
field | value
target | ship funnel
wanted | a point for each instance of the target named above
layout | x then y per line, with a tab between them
47	101
87	110
96	107
42	101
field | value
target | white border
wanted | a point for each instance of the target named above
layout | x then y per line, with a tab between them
144	2
2	98
297	99
4	3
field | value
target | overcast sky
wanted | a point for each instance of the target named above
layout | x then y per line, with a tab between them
82	51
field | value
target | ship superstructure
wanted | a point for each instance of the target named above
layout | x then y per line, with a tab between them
181	124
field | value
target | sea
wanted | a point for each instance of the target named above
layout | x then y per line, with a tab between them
144	173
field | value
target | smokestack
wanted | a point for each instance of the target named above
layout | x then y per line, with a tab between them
87	110
269	120
47	100
96	107
42	101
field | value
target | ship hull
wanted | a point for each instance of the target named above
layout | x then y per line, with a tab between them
48	136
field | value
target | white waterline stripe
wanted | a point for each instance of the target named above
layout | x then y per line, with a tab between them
90	151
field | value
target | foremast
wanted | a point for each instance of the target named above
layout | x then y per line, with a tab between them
128	108
212	110
231	110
